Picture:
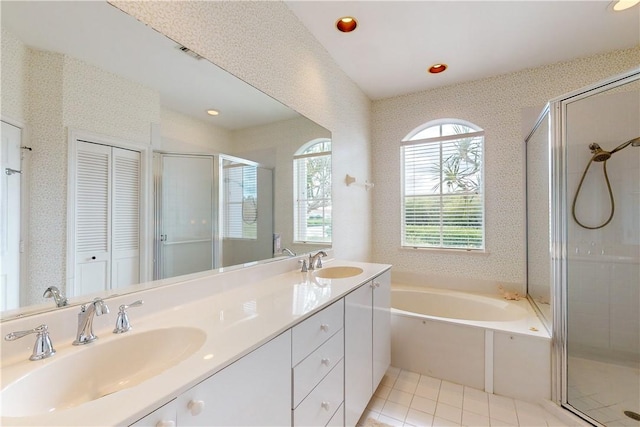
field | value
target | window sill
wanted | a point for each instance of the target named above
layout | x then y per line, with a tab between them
447	251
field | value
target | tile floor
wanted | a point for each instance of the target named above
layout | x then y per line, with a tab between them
604	390
409	399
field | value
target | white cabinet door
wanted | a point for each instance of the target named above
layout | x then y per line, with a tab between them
253	391
165	416
381	326
357	352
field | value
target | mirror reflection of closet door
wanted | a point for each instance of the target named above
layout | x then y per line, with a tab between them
185	215
107	217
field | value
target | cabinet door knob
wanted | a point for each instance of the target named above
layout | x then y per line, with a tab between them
325	405
195	407
324	327
376	284
372	285
166	423
325	361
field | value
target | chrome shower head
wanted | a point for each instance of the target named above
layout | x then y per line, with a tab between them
599	155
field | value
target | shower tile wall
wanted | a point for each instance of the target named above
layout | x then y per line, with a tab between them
604	269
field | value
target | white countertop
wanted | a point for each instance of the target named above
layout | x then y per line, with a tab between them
236	321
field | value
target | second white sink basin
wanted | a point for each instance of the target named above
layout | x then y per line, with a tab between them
100	369
338	272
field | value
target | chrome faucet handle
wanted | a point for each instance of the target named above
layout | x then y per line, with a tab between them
319	262
304	268
43	347
57	295
122	321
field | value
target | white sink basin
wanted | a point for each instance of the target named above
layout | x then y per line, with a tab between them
337	272
100	369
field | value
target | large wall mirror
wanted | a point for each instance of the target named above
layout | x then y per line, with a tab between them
115	174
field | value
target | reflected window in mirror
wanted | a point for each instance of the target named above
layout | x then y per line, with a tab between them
312	187
240	201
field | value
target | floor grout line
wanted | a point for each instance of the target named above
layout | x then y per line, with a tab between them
510	411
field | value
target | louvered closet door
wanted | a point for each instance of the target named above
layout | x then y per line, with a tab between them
93	219
125	256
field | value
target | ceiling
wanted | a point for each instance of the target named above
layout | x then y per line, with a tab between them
396	41
101	35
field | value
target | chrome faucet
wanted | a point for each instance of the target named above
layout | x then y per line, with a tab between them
85	333
315	260
288	252
57	295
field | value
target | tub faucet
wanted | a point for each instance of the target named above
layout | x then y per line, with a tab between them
315	260
85	333
57	295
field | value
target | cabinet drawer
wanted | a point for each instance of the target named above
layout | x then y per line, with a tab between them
310	334
338	418
321	404
316	366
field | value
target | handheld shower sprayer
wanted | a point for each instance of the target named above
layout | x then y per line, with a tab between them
600	155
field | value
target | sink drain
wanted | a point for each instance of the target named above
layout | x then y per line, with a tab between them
632	415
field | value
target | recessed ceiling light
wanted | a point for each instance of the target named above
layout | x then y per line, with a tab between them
624	4
346	24
213	112
437	68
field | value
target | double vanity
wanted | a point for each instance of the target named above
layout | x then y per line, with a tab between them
260	345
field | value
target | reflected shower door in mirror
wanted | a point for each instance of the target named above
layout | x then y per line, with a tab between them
88	67
539	275
185	214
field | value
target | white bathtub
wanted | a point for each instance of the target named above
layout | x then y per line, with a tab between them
481	341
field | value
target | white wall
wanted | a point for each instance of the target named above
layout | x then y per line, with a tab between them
185	134
496	105
275	53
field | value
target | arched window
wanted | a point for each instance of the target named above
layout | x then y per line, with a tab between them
312	187
442	186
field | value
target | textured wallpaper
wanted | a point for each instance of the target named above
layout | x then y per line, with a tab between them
58	93
13	63
264	44
495	104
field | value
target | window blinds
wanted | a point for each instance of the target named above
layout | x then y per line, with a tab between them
442	203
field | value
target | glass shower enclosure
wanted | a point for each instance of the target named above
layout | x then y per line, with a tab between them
590	165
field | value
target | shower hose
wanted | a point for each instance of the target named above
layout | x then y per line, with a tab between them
575	199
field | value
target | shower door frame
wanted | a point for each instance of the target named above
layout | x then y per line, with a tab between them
559	231
158	252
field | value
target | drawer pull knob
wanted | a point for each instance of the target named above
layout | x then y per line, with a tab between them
195	407
166	423
324	327
326	361
326	405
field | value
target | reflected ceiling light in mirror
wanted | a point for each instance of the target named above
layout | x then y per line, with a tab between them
621	5
346	24
437	68
213	112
